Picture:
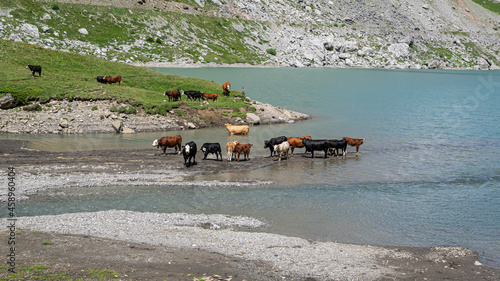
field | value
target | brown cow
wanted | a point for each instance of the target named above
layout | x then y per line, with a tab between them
213	97
173	141
297	142
225	88
245	148
173	95
354	142
113	79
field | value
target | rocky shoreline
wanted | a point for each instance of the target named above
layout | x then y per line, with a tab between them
88	117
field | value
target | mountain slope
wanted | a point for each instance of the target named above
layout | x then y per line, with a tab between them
362	33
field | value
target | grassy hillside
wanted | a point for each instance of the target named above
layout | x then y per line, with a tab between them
70	76
135	34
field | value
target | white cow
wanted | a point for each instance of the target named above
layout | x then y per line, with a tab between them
282	148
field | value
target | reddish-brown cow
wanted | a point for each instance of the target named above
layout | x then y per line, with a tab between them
245	148
173	141
297	142
354	142
113	79
213	97
225	88
173	95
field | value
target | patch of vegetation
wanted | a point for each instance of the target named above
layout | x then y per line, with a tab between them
490	5
271	51
69	76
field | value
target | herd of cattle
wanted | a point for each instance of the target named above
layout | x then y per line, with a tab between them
278	146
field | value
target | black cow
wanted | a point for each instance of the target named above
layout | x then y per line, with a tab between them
101	79
320	145
35	68
189	151
194	95
211	148
335	145
272	142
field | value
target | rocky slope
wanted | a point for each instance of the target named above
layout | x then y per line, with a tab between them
340	33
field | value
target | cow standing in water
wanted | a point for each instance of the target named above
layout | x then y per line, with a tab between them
354	142
225	88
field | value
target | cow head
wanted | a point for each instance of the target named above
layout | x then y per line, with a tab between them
155	143
266	144
203	148
187	148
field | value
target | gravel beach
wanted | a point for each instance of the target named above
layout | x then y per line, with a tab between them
217	245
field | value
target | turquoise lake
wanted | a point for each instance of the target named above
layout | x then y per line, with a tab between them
428	173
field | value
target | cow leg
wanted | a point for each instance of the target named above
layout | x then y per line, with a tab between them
357	148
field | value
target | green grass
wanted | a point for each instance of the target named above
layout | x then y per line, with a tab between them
112	27
490	5
69	76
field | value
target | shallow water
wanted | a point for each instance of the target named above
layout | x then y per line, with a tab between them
428	173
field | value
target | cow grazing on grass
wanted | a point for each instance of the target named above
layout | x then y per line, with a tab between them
101	79
272	142
245	148
213	97
335	145
230	149
194	95
172	141
237	130
113	79
35	68
354	142
319	145
226	88
297	142
282	148
211	148
173	95
189	152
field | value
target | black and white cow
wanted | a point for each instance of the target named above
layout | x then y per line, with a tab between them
335	145
211	148
35	68
189	151
272	142
319	145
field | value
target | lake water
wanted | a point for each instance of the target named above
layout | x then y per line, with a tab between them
428	173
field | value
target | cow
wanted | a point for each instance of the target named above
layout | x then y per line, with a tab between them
272	142
335	145
172	141
113	79
213	97
35	68
194	95
101	79
282	148
237	130
173	95
320	145
230	149
354	142
245	148
211	148
189	151
225	88
297	142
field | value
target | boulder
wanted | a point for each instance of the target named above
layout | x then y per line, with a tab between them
127	130
252	119
63	123
83	31
30	30
8	101
117	125
400	50
482	63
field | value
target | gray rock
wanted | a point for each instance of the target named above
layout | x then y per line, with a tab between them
400	50
127	130
83	31
8	101
63	123
191	125
117	125
252	119
30	30
46	17
482	63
